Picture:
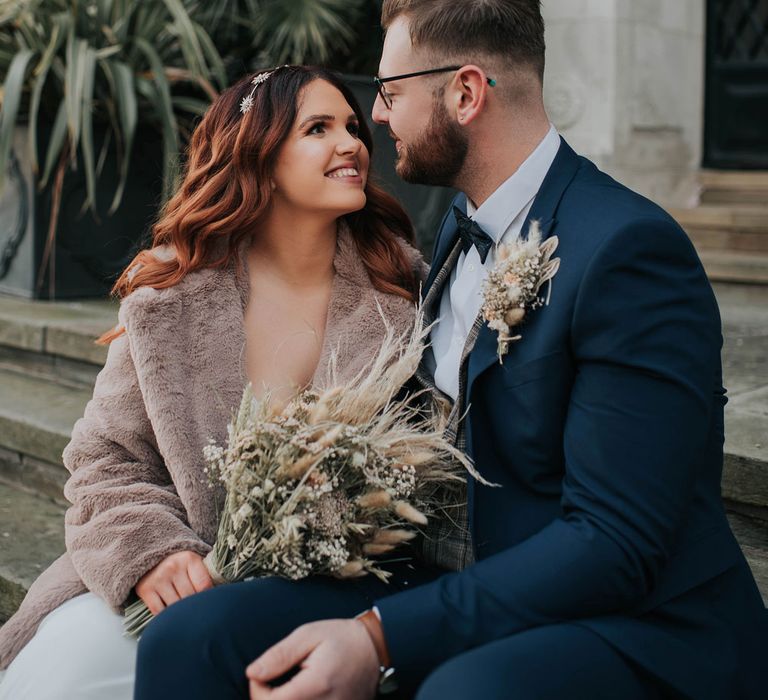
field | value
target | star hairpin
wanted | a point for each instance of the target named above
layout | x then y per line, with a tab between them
247	102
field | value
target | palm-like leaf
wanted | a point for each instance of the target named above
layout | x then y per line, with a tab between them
116	62
89	61
12	89
297	31
127	111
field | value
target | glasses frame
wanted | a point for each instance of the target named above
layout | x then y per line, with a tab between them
387	98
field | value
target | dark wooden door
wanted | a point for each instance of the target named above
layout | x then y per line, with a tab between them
736	114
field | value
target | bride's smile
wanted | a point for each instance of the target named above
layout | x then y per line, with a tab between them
323	164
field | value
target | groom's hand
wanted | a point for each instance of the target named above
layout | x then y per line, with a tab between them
336	659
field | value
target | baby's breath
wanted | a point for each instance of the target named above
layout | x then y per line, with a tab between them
330	481
512	287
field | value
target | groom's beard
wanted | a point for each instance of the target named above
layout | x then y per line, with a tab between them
438	155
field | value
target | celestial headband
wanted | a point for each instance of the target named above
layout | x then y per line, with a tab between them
247	102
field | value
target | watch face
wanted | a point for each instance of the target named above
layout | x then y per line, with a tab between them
387	682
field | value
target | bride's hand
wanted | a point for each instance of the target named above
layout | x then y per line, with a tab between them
177	576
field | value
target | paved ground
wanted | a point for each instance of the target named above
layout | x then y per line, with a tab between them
744	311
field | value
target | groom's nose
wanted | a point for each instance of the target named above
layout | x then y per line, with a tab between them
379	112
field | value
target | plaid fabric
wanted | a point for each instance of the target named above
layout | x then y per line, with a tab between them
447	542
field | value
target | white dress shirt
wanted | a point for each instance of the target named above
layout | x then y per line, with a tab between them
501	216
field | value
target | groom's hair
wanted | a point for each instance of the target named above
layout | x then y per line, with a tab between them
510	31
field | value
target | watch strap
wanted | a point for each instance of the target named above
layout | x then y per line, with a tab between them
373	626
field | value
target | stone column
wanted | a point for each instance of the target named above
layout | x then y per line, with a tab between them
624	84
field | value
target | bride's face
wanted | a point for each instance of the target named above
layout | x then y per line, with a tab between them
322	165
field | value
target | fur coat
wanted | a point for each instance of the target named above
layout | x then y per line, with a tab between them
170	383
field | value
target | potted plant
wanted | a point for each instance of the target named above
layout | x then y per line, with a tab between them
98	97
103	91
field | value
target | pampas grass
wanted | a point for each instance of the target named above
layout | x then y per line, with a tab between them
331	480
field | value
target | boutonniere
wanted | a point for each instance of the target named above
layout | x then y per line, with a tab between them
512	287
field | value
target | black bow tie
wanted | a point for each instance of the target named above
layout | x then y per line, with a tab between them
472	235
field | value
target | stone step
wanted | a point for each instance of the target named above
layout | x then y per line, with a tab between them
745	468
54	339
734	228
742	268
734	187
31	537
744	311
36	420
752	534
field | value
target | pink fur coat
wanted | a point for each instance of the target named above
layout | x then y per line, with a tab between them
170	383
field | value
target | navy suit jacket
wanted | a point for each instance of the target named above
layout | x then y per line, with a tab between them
604	429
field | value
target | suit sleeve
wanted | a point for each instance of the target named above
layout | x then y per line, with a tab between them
126	516
645	337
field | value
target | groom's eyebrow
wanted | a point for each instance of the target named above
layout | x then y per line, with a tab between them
317	118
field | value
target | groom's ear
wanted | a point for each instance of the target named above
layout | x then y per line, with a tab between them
469	90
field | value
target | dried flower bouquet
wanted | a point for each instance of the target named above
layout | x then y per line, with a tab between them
331	480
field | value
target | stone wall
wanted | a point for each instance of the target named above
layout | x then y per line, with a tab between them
625	86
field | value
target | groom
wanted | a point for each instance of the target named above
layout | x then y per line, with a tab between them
602	564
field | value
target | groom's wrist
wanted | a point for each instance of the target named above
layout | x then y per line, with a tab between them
372	623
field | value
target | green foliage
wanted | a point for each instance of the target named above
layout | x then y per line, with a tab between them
81	66
113	62
298	31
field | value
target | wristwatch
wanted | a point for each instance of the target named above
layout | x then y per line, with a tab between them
387	680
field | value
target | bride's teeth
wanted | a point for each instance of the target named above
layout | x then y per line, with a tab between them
344	172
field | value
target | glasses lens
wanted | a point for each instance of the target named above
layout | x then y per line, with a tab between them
384	94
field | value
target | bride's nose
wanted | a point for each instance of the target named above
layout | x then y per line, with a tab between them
349	145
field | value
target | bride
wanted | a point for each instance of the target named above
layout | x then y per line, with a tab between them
276	257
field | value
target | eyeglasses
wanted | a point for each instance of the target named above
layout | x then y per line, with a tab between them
387	98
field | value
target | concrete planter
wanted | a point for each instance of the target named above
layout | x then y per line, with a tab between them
89	252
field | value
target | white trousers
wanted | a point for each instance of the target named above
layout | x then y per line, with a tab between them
78	653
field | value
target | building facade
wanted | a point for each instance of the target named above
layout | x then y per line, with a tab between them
655	90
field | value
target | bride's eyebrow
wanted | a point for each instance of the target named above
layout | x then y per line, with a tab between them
317	118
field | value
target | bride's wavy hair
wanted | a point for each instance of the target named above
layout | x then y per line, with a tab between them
226	189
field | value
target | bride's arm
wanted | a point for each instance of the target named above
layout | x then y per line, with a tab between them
126	516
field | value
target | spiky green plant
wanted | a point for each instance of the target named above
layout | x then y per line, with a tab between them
118	62
299	31
127	62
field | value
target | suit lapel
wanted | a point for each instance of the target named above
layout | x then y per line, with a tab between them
445	243
544	209
446	253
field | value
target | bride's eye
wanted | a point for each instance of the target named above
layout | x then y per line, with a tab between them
318	128
353	128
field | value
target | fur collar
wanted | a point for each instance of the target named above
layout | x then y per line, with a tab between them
187	343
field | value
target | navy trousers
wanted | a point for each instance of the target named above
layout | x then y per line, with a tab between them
199	647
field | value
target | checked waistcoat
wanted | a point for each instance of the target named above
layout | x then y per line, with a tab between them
447	542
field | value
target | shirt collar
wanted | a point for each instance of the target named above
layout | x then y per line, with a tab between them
504	205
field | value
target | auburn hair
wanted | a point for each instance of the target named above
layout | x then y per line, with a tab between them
226	189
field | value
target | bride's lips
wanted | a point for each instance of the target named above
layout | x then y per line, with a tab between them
346	172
